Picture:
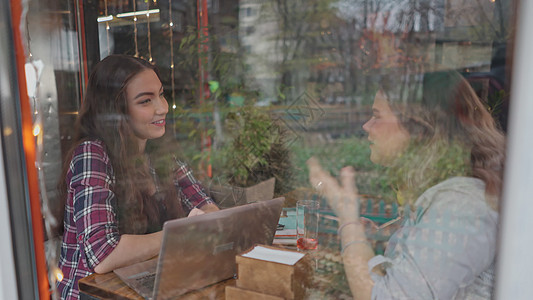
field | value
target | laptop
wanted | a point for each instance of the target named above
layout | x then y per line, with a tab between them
200	250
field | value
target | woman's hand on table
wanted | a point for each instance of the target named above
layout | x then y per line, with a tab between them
195	212
342	195
131	248
202	210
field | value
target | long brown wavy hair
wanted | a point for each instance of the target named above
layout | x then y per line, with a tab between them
103	116
452	134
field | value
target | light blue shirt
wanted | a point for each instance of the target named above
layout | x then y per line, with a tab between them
445	249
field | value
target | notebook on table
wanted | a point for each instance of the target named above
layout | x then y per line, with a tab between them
200	250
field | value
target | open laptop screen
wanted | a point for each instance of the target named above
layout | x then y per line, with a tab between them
199	251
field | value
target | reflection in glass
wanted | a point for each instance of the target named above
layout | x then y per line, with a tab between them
311	68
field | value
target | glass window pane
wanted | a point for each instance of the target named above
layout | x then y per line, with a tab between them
413	95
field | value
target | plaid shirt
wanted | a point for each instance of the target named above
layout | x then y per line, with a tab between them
91	224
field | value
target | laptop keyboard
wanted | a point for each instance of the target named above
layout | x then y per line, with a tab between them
146	281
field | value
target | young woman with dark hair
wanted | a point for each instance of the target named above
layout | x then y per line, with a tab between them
445	158
117	196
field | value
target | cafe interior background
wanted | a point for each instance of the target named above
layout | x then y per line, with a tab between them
254	87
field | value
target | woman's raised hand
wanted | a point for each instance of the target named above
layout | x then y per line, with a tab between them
341	195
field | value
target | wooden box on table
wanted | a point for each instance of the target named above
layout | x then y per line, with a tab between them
274	271
235	293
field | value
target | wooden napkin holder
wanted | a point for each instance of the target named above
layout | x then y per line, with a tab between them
274	278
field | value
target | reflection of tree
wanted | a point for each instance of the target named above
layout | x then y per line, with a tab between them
306	47
339	47
294	35
391	36
400	35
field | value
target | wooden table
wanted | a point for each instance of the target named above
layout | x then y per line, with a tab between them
109	286
328	261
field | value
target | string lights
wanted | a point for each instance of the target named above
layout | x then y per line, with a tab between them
148	28
171	28
135	28
107	27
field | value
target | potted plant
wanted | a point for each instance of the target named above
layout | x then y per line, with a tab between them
256	160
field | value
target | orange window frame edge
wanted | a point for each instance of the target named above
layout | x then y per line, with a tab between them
30	154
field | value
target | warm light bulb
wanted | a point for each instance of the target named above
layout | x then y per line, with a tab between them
58	274
8	131
36	130
171	24
135	19
174	106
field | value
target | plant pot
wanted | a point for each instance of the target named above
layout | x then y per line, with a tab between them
230	196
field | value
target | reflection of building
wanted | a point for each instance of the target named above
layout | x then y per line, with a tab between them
468	36
56	98
258	29
418	36
286	44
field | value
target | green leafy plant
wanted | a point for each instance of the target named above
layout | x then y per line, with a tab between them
258	150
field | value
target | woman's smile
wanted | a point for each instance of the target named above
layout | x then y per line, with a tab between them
159	123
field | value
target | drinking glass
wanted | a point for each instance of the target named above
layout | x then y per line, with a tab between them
307	224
